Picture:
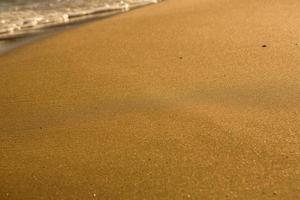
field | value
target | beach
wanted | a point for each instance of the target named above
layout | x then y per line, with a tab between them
185	99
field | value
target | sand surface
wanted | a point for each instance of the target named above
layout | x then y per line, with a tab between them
177	100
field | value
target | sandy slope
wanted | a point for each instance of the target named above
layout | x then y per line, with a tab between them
174	101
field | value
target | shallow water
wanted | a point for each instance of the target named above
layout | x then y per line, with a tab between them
20	17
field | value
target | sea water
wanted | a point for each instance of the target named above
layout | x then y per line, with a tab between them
18	18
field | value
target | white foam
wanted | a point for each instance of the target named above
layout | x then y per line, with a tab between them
18	17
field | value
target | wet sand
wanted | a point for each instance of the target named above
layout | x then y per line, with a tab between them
179	100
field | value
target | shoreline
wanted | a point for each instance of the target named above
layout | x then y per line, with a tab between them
12	41
188	99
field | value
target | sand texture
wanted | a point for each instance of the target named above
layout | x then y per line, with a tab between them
187	99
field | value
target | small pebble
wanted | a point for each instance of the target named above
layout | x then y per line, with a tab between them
264	45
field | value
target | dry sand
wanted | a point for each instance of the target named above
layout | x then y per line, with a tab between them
174	101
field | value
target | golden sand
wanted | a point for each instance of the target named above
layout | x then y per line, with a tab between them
179	100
